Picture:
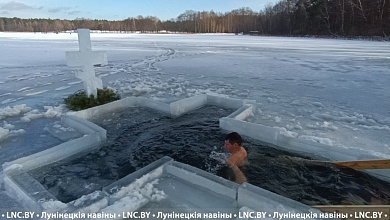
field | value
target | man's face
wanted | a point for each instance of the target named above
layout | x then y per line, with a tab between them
229	147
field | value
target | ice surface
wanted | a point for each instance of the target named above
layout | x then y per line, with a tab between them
3	133
225	102
200	178
159	106
182	196
241	113
8	204
188	189
137	189
311	83
90	203
10	126
84	126
186	105
63	132
245	114
8	129
137	197
23	142
13	111
326	151
317	93
256	131
26	190
115	187
19	195
56	153
137	184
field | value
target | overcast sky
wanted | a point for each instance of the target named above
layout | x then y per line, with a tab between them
119	9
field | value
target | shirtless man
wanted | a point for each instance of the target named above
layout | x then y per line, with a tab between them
233	144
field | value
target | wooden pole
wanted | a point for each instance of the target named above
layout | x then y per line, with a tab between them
365	164
356	164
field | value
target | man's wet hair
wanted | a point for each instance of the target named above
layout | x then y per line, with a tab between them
234	137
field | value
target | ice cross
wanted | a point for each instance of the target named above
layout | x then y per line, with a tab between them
85	58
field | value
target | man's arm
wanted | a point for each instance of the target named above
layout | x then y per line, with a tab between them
240	177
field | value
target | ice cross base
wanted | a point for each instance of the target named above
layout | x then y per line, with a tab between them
85	59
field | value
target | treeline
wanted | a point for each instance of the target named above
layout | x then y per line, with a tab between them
286	18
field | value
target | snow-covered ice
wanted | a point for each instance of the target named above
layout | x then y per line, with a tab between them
328	91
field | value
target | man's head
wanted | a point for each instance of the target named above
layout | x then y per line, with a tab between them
233	141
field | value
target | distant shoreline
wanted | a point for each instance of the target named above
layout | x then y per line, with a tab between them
358	38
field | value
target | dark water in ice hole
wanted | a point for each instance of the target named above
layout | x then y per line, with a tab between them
139	136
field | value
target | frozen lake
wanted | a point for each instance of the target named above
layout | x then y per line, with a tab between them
329	91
